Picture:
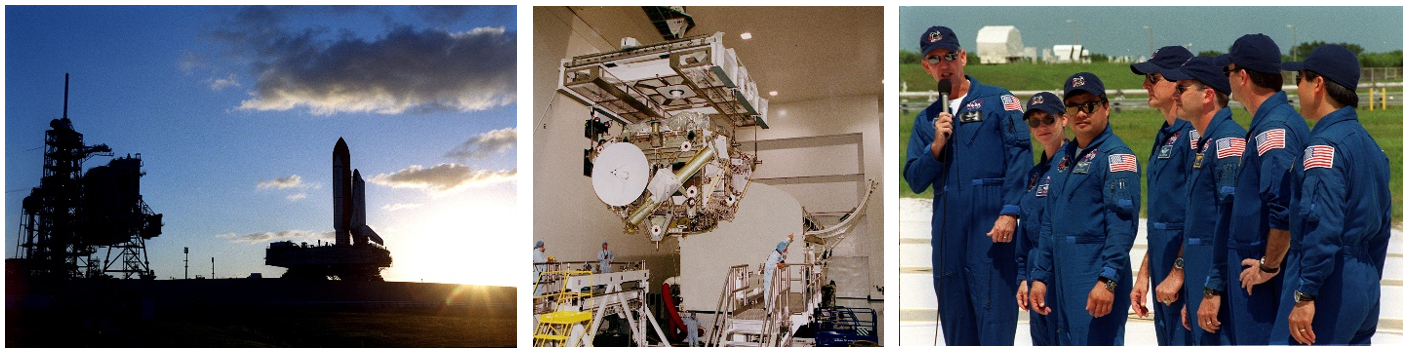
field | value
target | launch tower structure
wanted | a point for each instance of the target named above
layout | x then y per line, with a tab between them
70	215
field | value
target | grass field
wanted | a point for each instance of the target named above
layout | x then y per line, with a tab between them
1030	77
1137	127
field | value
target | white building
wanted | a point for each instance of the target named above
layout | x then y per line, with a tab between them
1070	54
999	44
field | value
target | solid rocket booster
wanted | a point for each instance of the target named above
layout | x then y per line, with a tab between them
360	215
342	194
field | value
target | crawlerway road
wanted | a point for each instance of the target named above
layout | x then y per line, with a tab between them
918	302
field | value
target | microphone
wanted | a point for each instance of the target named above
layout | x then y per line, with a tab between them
943	88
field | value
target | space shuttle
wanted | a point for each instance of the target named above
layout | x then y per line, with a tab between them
350	215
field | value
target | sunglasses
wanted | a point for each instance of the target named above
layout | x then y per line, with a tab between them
1152	78
1035	121
1181	89
1087	107
1231	71
934	59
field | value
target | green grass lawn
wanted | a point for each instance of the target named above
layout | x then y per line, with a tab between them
1031	77
1137	127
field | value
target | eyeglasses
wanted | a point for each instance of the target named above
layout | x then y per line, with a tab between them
1087	107
1181	89
934	59
1231	71
1034	122
1152	78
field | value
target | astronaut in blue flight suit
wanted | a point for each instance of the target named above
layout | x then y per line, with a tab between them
1094	227
1342	209
1201	98
1045	117
1258	224
975	163
1167	170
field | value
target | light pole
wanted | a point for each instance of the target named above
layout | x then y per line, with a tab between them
1294	50
1072	50
1150	46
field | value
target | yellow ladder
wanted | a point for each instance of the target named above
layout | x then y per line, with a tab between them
555	329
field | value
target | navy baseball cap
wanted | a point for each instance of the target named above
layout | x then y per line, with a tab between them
1334	62
1201	69
1083	82
1253	51
1045	102
1164	58
939	37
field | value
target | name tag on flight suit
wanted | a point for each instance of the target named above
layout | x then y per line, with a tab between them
1165	153
970	116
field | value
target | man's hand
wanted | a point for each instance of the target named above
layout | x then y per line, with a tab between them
1022	297
1185	323
1139	296
943	132
1100	300
1004	229
1301	321
1252	275
1170	288
1037	298
1206	316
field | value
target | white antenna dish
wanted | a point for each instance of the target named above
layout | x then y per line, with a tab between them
620	174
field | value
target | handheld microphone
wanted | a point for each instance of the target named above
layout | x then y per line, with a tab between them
943	88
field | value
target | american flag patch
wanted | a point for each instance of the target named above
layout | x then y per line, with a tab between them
1228	147
1318	156
1122	162
1272	139
1193	135
1011	103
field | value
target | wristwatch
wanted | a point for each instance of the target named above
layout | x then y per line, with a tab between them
1109	284
1300	297
1266	270
1211	292
1180	264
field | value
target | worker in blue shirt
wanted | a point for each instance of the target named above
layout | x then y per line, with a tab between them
1258	225
605	259
1342	208
1045	118
1202	97
974	154
1167	169
1086	254
773	264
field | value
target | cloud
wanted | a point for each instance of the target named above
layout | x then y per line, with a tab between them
443	178
404	70
255	238
297	196
218	84
293	181
395	207
482	145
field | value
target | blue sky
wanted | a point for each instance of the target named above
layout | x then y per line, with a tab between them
235	111
1118	30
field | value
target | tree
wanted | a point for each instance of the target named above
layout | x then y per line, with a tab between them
1304	48
909	57
1210	53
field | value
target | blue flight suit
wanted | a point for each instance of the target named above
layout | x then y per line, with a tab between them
1167	170
1276	138
1096	223
1340	224
1035	226
981	176
1210	188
